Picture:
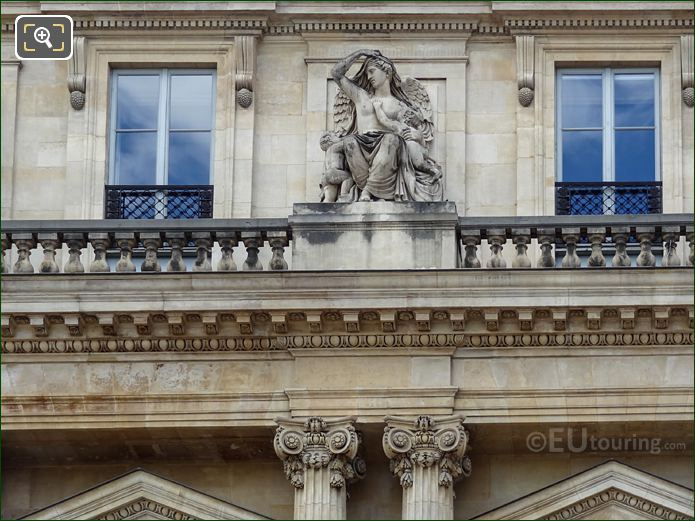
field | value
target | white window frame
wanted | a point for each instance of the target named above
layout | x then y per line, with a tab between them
162	156
608	137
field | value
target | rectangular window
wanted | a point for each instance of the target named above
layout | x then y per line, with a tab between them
161	143
608	141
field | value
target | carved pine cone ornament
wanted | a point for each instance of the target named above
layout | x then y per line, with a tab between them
77	99
244	98
688	96
525	96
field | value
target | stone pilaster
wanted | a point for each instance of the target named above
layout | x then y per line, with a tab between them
320	458
427	456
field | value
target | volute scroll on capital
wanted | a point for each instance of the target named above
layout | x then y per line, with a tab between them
315	443
426	442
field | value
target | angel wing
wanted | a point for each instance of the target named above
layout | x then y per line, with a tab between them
343	114
418	96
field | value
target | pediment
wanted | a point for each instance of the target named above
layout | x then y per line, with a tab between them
611	490
142	495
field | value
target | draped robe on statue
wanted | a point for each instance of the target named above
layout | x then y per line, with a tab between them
380	162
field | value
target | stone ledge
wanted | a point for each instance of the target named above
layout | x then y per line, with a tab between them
481	407
321	290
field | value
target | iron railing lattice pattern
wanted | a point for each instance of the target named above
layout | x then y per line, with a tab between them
607	198
158	202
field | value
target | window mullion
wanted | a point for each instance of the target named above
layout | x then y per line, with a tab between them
657	126
161	129
608	130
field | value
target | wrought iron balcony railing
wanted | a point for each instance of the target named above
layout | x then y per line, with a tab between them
607	198
159	202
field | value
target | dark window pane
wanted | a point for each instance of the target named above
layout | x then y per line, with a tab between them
634	100
582	155
582	101
189	158
136	158
191	102
634	155
137	102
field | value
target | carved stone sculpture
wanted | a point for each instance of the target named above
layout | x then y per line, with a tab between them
379	148
427	456
320	458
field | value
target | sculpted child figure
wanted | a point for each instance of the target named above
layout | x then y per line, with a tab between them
335	176
417	150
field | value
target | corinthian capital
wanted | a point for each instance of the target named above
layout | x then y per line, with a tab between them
426	442
316	443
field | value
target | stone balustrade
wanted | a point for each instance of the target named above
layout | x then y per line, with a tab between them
151	246
147	246
562	241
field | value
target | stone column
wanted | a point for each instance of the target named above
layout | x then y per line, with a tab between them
427	456
320	458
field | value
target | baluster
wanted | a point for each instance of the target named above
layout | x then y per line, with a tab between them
471	243
152	242
496	238
691	243
5	245
126	242
646	258
570	236
177	241
620	235
202	243
278	242
75	242
100	243
227	242
670	236
521	238
24	242
546	239
596	238
252	241
49	242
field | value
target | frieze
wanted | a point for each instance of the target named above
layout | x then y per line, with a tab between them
582	508
346	341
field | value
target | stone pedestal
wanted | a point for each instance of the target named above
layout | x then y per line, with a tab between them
427	456
374	235
320	459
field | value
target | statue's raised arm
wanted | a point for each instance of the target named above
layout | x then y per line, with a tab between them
340	70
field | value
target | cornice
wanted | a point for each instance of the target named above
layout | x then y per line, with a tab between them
404	329
375	24
630	21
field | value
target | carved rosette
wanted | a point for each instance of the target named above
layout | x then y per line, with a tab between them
425	442
317	443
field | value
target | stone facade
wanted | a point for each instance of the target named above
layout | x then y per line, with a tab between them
478	357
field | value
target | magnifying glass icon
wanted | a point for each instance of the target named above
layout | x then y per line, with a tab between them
43	35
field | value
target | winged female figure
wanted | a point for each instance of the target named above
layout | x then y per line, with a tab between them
383	126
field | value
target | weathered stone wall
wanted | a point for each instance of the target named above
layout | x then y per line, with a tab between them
267	156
